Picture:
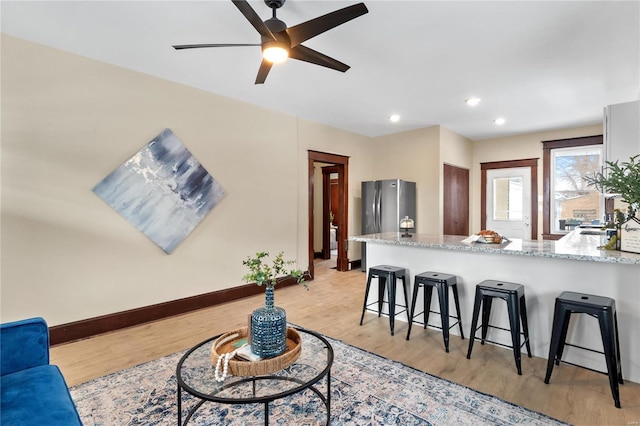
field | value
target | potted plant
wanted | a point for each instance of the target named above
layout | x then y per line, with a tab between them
620	179
269	323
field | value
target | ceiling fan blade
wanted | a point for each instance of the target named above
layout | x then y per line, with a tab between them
197	46
304	31
303	53
253	18
265	67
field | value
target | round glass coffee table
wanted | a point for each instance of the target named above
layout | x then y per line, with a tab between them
308	378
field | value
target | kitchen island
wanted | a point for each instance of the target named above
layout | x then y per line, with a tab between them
545	268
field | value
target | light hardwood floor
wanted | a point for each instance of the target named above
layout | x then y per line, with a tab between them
333	307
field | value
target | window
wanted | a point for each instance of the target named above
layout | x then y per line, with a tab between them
568	202
507	198
573	203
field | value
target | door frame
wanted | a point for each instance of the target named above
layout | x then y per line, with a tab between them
532	164
342	165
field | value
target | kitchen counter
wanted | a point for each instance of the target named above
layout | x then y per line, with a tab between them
545	268
573	246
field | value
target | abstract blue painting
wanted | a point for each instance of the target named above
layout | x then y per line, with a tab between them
162	190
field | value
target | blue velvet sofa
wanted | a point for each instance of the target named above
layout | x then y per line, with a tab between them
33	391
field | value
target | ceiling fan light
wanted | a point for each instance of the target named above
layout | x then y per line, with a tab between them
275	53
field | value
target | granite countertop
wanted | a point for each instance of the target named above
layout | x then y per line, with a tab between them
574	246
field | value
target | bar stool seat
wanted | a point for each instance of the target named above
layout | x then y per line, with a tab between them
442	282
602	308
386	274
513	294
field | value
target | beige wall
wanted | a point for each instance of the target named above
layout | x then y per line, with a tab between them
413	156
68	121
517	148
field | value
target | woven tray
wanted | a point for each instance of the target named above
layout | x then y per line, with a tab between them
240	367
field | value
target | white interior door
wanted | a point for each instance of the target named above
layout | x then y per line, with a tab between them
509	202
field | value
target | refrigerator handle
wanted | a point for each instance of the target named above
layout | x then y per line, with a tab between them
378	197
374	211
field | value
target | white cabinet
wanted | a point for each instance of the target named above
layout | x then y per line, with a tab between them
622	131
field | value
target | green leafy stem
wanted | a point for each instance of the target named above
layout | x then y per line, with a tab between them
260	272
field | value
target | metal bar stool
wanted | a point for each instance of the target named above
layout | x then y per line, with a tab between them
442	282
602	308
513	294
384	274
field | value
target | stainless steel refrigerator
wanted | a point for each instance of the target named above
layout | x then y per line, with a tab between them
384	203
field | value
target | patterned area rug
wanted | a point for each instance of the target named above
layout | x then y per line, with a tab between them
366	389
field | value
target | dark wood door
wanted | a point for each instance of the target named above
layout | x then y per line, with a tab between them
333	206
456	201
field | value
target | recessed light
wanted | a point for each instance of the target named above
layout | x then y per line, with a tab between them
499	121
394	118
473	101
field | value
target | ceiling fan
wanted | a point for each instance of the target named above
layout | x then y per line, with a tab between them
279	42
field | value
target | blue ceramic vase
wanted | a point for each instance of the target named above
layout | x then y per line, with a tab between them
268	328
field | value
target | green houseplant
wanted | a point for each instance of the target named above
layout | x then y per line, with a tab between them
622	179
269	323
261	273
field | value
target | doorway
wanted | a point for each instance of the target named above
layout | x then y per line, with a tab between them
508	198
340	167
330	205
509	202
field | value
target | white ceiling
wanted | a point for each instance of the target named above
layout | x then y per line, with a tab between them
541	65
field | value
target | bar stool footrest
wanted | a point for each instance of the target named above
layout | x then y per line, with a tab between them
586	349
524	342
586	368
433	325
367	308
558	361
